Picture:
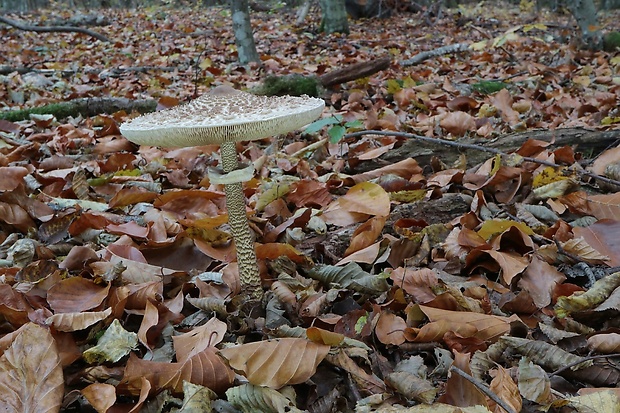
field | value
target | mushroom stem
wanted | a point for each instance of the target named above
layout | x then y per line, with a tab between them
238	221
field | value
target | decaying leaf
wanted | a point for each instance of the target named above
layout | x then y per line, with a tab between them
113	345
598	293
350	276
250	398
409	381
30	373
534	384
196	398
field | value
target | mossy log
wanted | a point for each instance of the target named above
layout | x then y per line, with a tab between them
297	85
83	106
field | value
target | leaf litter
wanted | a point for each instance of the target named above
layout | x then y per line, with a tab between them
373	305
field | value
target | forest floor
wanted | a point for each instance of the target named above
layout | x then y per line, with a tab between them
397	277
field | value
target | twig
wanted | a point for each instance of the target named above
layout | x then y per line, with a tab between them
47	29
420	57
483	388
570	365
476	148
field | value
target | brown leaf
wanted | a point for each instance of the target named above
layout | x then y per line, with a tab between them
193	342
418	283
276	363
489	327
205	368
506	389
603	237
604	343
101	396
31	374
460	391
76	294
12	177
76	321
503	101
366	234
458	123
390	329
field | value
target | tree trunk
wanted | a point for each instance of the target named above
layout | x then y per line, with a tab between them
246	49
584	12
334	16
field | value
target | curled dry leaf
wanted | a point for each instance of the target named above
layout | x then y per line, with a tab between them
193	342
205	368
250	398
350	276
276	363
489	327
196	398
598	293
506	389
30	373
77	321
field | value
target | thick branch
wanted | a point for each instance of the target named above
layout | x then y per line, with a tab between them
355	71
59	29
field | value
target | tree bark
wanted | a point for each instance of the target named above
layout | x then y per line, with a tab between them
334	16
584	12
242	27
355	71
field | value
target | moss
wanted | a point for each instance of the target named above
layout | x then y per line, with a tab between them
59	110
294	85
611	42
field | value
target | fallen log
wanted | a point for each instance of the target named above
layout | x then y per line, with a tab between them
83	106
56	29
354	71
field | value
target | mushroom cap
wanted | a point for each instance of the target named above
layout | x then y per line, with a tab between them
223	115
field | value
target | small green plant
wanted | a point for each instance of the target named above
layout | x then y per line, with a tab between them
487	87
337	127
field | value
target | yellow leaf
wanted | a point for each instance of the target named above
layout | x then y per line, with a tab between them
205	63
496	226
393	86
478	46
582	80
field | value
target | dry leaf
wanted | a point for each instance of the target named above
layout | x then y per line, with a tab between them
276	363
31	374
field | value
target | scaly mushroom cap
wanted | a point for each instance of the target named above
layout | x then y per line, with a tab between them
223	115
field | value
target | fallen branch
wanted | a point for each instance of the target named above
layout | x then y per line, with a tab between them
114	72
420	57
355	71
483	388
59	29
83	106
461	145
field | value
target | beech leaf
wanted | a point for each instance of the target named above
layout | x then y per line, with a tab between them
278	362
31	374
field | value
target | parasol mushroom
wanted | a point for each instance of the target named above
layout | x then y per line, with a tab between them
226	116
